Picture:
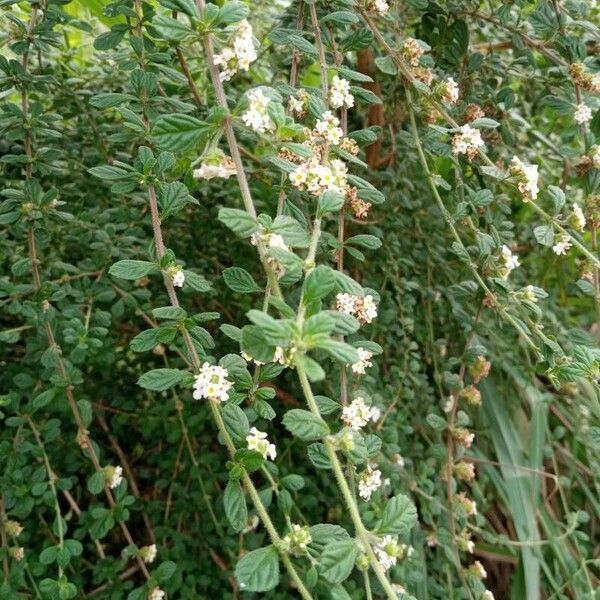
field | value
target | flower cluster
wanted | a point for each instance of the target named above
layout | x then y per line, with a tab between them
358	207
176	275
328	127
358	413
215	166
464	542
469	506
339	93
156	594
360	367
317	178
465	471
379	6
212	383
527	176
297	104
583	78
113	475
595	156
148	553
480	369
257	440
577	218
583	114
449	91
364	309
508	260
271	240
368	482
562	244
13	528
17	552
412	51
240	56
477	570
388	551
297	540
463	437
468	141
257	116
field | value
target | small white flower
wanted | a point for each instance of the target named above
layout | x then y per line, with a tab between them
156	594
148	553
360	367
379	6
113	475
450	91
562	245
450	404
18	552
578	218
221	166
253	523
364	309
468	141
238	58
178	278
528	178
595	155
509	260
529	293
478	570
368	482
339	93
328	127
583	114
487	595
357	414
297	540
212	383
257	117
399	460
257	440
388	551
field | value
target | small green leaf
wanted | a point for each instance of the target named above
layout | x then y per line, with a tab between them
337	560
179	132
304	424
132	269
399	516
239	221
161	379
258	571
235	505
239	280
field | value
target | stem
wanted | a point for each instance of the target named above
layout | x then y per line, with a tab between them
4	540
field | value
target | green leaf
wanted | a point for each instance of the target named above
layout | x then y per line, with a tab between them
399	516
239	221
232	12
184	6
544	234
254	342
337	560
329	201
366	241
175	313
110	100
290	230
344	353
179	132
236	422
303	45
162	379
258	571
239	280
318	283
234	501
171	29
144	341
386	65
96	482
304	424
132	269
341	17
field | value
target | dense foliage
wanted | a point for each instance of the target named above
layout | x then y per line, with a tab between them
299	298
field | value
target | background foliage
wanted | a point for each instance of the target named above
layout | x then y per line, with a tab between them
102	102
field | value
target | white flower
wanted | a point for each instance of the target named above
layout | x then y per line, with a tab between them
249	358
238	58
257	117
375	413
357	414
296	542
450	91
359	367
364	309
509	260
13	528
468	141
449	404
257	440
529	293
487	595
595	156
113	475
271	240
222	167
578	218
528	178
328	127
478	570
339	93
156	594
212	383
253	523
178	278
399	460
18	552
412	51
379	6
317	178
368	482
562	245
583	114
387	550
148	553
